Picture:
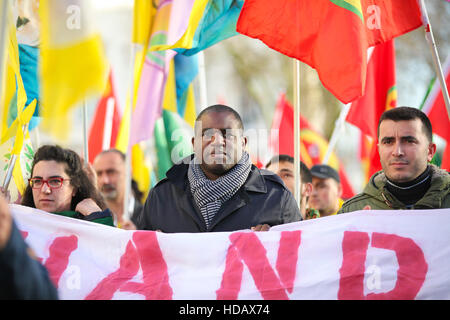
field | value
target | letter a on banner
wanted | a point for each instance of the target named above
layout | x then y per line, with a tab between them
146	253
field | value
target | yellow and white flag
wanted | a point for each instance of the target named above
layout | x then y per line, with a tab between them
73	66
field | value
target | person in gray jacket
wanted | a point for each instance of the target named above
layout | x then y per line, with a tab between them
217	188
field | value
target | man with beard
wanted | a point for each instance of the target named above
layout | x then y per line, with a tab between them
217	188
109	165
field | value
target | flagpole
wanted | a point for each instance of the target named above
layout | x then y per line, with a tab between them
126	197
12	164
37	137
297	159
202	80
338	126
85	135
437	64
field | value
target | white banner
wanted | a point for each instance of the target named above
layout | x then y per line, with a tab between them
358	255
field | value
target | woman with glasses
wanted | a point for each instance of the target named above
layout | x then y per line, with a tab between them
59	185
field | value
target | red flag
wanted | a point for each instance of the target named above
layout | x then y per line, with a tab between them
369	156
105	123
434	107
331	36
347	189
380	95
283	122
313	146
445	164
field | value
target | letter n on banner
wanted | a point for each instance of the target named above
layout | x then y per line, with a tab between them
246	247
410	275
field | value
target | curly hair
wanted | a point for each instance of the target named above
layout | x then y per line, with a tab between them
74	169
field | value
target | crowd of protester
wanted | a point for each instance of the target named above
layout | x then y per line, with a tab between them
217	188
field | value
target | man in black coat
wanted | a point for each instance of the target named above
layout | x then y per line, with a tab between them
21	277
217	188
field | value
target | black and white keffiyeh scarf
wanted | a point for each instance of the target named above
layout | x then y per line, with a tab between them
209	195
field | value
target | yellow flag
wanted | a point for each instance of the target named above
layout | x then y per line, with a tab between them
190	112
13	102
15	96
142	21
143	17
140	172
170	91
22	167
73	66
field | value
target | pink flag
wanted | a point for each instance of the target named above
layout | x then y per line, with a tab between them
169	23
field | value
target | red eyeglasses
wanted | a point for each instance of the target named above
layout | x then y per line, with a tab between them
53	183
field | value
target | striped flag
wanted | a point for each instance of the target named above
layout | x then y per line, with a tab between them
210	21
174	129
169	17
186	26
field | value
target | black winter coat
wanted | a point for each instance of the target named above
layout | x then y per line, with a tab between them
263	199
22	277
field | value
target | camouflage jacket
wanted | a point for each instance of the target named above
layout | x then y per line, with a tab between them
378	197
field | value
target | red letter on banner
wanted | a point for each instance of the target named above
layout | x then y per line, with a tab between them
128	268
287	258
248	248
154	268
412	266
410	275
59	254
155	275
354	249
232	276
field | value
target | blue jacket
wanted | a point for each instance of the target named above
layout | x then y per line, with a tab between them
22	277
262	199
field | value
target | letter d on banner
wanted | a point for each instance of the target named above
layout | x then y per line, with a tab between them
410	275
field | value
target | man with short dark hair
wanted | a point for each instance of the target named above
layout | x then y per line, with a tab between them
217	188
327	190
109	166
283	166
407	180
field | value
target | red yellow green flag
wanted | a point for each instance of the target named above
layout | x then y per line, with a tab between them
313	146
331	36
